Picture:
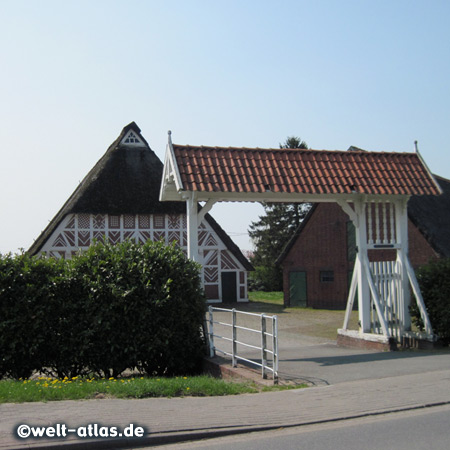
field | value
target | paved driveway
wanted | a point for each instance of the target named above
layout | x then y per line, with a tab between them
320	361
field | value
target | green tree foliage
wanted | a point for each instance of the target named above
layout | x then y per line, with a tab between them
272	232
434	281
111	308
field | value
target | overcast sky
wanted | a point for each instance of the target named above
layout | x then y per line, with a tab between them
374	74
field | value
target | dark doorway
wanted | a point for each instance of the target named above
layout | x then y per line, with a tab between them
297	288
229	287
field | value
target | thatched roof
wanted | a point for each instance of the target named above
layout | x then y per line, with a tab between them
431	215
126	180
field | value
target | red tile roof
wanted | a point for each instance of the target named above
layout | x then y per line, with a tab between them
218	169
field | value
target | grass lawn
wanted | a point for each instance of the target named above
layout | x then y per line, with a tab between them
321	323
274	298
45	389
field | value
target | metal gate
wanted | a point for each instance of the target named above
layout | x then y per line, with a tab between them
264	338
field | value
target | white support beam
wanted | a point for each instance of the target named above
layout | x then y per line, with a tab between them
419	298
192	227
205	209
375	296
349	211
351	297
363	285
401	222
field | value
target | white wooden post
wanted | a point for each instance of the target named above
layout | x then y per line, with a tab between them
363	284
192	227
404	300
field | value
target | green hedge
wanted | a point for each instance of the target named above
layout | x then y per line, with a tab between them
111	308
434	281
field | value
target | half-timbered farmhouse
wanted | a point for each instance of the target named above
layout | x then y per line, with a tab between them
119	199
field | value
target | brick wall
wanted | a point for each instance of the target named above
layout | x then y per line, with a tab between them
322	246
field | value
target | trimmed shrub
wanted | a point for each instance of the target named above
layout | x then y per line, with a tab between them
111	308
434	281
146	308
27	296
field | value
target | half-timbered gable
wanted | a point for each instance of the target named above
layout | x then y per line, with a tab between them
118	200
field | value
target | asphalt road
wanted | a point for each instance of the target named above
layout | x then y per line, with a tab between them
427	428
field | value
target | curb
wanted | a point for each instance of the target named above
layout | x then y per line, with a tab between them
193	435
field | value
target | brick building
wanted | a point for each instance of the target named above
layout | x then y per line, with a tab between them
318	261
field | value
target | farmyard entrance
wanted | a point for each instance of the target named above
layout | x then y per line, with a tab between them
373	188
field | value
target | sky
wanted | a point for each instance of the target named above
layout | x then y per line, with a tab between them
244	73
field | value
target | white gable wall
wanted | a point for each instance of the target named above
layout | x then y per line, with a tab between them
78	231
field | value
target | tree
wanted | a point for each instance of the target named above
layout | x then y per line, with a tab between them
272	232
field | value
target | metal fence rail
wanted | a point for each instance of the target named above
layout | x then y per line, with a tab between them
268	340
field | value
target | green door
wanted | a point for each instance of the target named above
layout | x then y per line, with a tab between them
297	288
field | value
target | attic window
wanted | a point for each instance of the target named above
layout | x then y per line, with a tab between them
326	276
131	138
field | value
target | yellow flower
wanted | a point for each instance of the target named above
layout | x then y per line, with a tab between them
184	378
188	388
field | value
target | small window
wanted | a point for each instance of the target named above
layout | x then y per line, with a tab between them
132	139
326	276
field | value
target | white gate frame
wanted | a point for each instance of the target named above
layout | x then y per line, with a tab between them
386	227
264	347
383	289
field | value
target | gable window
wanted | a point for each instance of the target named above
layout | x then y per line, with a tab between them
326	276
132	139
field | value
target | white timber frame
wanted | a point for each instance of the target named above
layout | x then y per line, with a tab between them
386	227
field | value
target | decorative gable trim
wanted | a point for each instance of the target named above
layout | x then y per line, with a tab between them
133	139
171	180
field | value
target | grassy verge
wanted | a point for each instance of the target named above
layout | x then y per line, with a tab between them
45	389
321	323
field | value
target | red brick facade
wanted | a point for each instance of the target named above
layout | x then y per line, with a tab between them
322	246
